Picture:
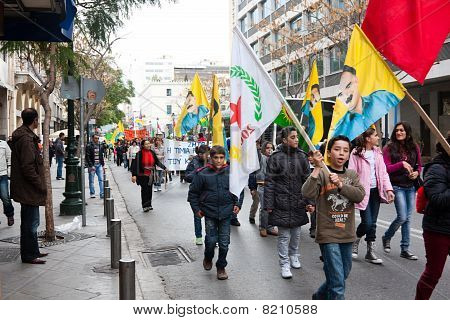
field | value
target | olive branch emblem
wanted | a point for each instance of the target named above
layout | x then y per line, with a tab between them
239	72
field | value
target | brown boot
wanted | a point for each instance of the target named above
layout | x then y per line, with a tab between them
222	274
263	233
207	264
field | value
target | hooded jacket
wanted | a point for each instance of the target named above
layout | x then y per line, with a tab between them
287	170
437	190
210	193
191	169
5	158
27	168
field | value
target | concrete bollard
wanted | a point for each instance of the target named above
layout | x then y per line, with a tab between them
106	195
116	243
109	215
127	275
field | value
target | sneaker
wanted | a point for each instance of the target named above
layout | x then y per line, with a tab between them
222	274
312	233
155	189
150	208
355	248
207	264
273	232
159	188
370	255
199	241
263	233
386	244
295	262
146	209
92	196
235	223
286	272
408	255
252	220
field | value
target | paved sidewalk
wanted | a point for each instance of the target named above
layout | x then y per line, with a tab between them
79	269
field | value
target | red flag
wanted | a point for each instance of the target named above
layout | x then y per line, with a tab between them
409	33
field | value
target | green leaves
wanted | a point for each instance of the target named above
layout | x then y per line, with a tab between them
239	72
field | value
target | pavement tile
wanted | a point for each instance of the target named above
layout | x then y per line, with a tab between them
43	290
21	296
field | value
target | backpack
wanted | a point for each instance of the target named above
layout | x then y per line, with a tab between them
421	200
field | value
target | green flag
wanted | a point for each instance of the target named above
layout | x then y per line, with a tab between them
283	120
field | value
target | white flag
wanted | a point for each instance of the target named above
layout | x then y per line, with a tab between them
255	103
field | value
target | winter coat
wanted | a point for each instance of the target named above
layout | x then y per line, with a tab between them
397	173
90	155
192	167
159	151
59	147
137	169
210	193
5	158
362	167
27	168
287	170
437	190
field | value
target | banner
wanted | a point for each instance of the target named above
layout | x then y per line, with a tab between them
136	134
177	154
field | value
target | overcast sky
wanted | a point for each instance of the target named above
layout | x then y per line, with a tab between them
189	31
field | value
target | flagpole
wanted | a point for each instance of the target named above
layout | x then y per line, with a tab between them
281	97
274	134
429	122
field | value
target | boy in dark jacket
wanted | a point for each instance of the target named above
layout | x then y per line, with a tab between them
210	197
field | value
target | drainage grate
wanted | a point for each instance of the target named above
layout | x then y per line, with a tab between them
61	238
9	254
167	256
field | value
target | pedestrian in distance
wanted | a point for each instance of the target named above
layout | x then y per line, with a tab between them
287	170
404	164
253	187
335	195
125	154
198	162
96	163
210	197
367	160
5	173
158	148
436	221
51	152
119	153
143	171
59	153
132	152
28	185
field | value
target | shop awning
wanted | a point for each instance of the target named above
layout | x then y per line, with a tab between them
37	20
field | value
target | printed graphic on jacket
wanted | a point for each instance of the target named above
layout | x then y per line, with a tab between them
340	206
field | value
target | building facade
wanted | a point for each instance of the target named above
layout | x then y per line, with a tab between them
287	35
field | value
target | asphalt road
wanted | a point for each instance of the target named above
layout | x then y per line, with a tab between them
253	262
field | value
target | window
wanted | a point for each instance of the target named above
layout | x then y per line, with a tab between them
278	3
169	109
296	24
296	72
251	18
263	9
320	63
168	92
280	77
337	57
242	24
337	4
265	45
255	47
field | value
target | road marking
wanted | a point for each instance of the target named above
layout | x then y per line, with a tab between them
416	233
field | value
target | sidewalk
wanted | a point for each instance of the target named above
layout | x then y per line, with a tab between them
79	269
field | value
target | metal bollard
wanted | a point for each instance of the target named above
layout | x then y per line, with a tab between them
106	195
116	243
127	287
109	215
106	183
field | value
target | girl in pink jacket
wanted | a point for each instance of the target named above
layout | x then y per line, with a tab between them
367	160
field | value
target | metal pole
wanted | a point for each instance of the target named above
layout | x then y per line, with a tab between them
106	195
83	194
106	183
109	215
116	243
127	286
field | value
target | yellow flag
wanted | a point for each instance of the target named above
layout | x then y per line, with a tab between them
120	126
312	106
195	108
216	114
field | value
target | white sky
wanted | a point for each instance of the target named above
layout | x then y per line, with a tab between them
189	31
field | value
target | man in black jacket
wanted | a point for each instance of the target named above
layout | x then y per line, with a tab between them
210	197
95	162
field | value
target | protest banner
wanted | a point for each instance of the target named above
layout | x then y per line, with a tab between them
177	154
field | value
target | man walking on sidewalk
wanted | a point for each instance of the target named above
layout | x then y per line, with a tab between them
95	161
5	163
59	152
28	184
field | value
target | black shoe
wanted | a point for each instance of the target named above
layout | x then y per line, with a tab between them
312	233
252	220
235	223
386	244
408	255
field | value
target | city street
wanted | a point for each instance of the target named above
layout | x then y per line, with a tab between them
253	262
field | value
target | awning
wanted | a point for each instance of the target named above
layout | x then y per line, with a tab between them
41	20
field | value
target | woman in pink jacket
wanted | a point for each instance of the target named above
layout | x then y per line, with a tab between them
367	160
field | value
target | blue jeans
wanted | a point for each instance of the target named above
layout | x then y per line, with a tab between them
368	225
198	226
217	231
159	176
59	162
29	247
99	172
337	263
404	204
8	208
